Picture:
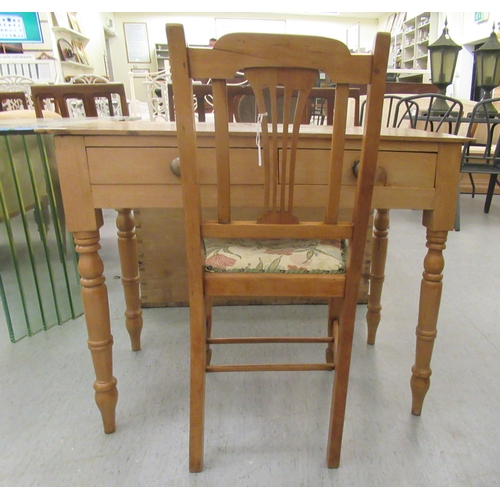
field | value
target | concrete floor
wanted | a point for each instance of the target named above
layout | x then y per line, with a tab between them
269	429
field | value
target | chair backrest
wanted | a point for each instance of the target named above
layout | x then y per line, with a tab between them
484	126
405	88
243	106
270	61
10	101
74	100
431	112
89	79
390	103
155	85
17	83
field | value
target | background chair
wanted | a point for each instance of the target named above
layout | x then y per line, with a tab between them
483	155
418	112
89	79
390	103
155	85
10	101
15	83
274	254
77	100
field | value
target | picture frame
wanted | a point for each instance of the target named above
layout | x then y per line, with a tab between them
136	42
79	51
73	21
66	51
61	20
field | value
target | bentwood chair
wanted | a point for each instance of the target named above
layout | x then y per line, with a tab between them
418	112
77	100
274	254
390	103
483	155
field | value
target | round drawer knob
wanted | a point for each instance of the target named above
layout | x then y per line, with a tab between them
175	167
355	168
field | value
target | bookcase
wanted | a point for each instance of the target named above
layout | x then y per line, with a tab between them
410	38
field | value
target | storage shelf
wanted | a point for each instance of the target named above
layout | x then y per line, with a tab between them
410	44
72	34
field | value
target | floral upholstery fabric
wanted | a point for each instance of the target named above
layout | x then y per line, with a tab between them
274	256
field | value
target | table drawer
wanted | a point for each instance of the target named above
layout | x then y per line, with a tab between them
406	169
152	166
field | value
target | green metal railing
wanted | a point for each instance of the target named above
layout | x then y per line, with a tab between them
39	284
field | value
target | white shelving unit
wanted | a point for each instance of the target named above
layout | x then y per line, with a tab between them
74	38
162	55
410	46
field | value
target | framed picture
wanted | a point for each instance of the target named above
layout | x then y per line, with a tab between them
73	21
80	53
136	41
66	51
61	19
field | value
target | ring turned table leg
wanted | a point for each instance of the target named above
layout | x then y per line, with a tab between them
377	271
127	247
96	308
430	298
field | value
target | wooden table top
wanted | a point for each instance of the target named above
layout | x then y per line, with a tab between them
124	126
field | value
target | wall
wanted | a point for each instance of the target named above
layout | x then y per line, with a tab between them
200	27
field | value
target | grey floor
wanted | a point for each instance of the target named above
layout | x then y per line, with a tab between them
269	429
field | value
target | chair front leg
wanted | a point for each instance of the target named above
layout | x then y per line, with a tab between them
489	195
198	360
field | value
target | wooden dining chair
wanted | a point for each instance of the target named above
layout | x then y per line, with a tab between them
10	101
243	107
75	100
274	254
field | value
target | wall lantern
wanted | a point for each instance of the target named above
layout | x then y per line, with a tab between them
488	68
444	55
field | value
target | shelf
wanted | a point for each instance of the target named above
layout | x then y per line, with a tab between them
76	65
410	45
74	35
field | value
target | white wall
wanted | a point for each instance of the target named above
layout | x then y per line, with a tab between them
200	27
91	24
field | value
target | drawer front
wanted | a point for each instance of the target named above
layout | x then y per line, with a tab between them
152	166
406	169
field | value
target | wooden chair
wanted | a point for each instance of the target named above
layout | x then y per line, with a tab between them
483	155
75	100
326	256
243	106
10	101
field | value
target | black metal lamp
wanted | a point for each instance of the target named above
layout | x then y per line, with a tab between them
444	55
488	68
